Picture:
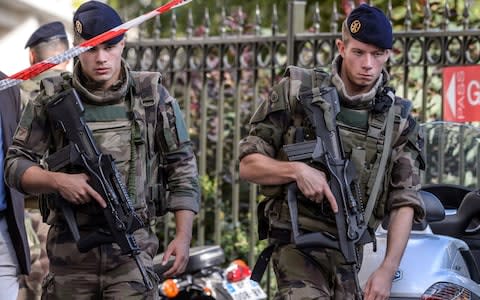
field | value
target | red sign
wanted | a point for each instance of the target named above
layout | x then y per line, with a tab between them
461	94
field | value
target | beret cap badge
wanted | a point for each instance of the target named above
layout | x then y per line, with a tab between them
93	18
370	25
78	27
355	26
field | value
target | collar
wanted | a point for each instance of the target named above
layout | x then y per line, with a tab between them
92	93
360	101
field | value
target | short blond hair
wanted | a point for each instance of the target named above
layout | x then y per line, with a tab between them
49	48
346	36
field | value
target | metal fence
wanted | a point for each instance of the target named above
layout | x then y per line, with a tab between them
452	153
220	80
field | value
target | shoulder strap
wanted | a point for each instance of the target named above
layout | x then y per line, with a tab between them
303	80
379	178
145	100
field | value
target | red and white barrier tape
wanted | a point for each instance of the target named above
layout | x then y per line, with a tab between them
48	63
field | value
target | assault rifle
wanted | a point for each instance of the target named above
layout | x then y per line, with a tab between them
327	151
66	113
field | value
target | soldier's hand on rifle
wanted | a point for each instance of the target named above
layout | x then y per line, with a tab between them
75	189
313	184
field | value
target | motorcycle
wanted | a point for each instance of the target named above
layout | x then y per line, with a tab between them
205	279
442	257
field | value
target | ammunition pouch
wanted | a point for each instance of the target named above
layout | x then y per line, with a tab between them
158	196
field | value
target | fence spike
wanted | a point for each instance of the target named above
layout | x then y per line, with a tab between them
446	16
316	18
173	30
427	15
335	18
189	23
408	16
258	20
274	20
157	25
206	23
241	20
389	12
223	23
141	28
466	14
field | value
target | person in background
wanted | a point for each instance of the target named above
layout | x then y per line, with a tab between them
14	252
48	40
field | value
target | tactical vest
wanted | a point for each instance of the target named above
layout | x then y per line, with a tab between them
363	136
126	131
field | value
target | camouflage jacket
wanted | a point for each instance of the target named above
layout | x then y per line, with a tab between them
274	123
171	145
31	88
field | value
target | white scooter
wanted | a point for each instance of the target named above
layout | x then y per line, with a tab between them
443	253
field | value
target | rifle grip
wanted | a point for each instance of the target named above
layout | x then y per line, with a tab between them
314	239
293	209
69	216
94	240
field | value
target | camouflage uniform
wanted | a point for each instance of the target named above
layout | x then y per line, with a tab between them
134	142
31	88
37	230
30	287
321	273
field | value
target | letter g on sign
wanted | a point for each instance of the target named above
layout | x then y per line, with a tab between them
473	93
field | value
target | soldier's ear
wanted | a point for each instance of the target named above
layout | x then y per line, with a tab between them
388	54
122	43
31	57
340	46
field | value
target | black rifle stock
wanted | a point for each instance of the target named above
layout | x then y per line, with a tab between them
65	112
327	150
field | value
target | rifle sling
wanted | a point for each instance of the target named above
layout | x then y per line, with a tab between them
277	237
262	263
383	160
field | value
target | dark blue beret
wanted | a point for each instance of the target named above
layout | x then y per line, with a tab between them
47	32
369	25
93	18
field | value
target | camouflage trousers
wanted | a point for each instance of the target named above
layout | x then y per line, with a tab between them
312	274
101	273
37	230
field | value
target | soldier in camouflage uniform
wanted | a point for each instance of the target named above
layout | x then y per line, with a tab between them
359	77
133	118
48	40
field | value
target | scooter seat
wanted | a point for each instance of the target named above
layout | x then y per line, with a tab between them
200	258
